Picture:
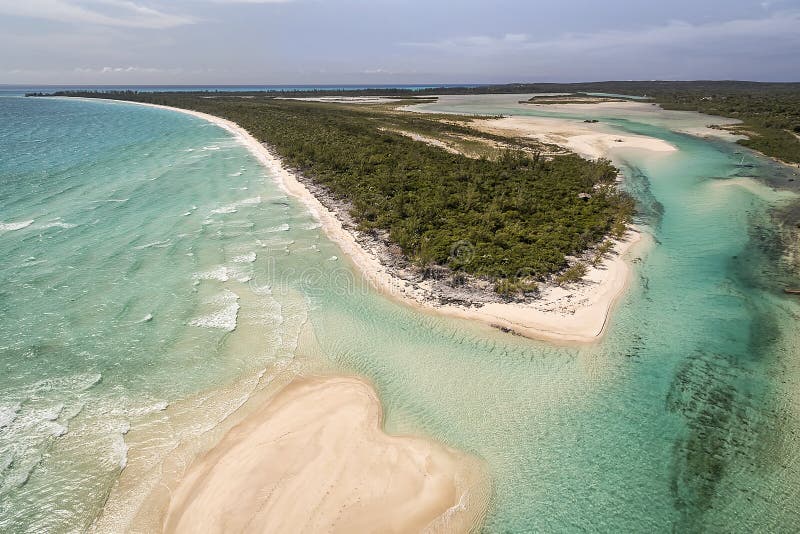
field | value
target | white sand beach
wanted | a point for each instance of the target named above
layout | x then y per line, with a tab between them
579	313
575	313
591	140
687	122
314	459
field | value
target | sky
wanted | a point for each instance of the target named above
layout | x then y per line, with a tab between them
395	41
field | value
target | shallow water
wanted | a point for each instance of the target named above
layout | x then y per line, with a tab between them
153	234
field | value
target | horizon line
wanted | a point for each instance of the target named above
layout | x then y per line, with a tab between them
390	85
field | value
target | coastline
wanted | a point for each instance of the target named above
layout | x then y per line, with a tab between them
339	418
576	313
590	140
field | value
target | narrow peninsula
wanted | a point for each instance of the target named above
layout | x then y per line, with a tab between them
441	211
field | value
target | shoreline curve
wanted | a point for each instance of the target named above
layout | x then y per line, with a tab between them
577	314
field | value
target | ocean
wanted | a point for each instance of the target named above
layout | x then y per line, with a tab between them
21	90
155	279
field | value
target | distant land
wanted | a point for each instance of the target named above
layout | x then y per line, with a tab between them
769	111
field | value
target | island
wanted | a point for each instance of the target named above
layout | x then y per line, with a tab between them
450	213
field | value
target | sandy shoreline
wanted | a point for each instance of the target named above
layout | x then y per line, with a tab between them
590	140
314	459
578	313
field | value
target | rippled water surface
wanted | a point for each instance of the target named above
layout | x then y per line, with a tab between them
155	277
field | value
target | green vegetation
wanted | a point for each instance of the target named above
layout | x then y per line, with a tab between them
600	252
574	274
771	122
520	213
571	98
770	112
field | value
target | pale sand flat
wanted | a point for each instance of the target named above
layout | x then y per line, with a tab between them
314	459
586	139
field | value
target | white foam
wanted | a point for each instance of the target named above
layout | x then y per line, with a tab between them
241	273
262	290
10	226
68	383
18	478
249	257
52	413
226	297
72	383
119	449
154	244
220	273
280	228
250	201
158	406
224	318
56	223
8	413
32	262
6	461
71	411
275	244
55	429
233	207
230	208
42	421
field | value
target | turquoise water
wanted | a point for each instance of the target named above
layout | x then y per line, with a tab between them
129	242
152	235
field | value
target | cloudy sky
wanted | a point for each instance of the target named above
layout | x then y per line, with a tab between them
395	41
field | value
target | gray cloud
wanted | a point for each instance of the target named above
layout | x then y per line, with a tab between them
122	13
674	34
394	41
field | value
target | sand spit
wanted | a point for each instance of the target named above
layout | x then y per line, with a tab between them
591	140
315	459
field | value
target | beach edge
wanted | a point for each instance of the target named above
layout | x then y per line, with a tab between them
545	319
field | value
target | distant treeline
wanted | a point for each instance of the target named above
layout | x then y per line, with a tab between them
770	112
633	88
519	216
